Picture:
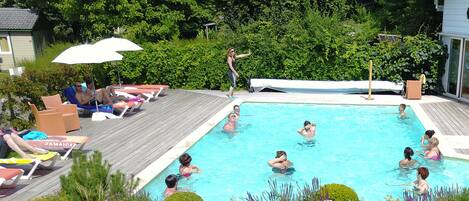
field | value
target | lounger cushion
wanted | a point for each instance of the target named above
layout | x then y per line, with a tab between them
58	143
9	173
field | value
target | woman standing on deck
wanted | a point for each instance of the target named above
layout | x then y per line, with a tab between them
232	73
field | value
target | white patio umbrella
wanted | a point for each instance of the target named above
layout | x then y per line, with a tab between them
118	44
88	54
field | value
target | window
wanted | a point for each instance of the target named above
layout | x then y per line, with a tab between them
4	45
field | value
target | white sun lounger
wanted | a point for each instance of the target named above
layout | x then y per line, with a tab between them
306	86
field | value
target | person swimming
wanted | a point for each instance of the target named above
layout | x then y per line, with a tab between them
280	163
230	126
433	153
308	131
421	186
186	169
171	185
236	111
402	113
426	138
407	162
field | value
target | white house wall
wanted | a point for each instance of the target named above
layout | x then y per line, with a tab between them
455	17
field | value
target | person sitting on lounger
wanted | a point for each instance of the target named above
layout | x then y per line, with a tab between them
230	126
308	131
407	162
171	185
280	162
103	95
186	169
15	143
433	153
402	113
83	97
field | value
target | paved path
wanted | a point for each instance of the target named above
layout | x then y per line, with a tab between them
134	142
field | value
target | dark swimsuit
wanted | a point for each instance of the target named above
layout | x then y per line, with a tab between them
231	74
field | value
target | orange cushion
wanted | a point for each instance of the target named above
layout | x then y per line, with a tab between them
9	173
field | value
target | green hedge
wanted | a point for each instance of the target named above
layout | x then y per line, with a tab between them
201	64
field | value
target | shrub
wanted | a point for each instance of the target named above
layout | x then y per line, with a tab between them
289	192
56	79
91	179
15	93
447	193
339	192
184	196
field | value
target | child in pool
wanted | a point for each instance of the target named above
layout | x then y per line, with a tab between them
402	113
186	169
171	185
281	162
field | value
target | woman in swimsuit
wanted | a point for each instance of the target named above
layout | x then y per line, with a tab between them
433	153
407	162
232	73
421	185
230	126
17	144
426	137
186	169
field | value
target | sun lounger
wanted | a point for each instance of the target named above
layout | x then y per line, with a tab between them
305	86
9	177
123	107
162	87
150	94
61	144
40	159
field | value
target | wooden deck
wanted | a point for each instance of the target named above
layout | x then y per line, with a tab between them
451	118
134	142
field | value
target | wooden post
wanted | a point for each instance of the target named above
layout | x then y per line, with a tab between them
369	82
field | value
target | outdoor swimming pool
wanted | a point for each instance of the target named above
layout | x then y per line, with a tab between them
359	146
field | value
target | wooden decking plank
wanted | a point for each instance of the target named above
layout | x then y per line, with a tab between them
131	144
451	118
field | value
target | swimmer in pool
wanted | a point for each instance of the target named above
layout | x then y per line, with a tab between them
407	162
281	162
308	131
230	126
402	113
236	111
186	169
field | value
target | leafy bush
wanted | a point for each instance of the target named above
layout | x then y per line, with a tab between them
56	79
339	192
290	192
15	93
184	196
91	179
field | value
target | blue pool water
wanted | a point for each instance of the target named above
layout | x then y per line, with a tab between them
359	146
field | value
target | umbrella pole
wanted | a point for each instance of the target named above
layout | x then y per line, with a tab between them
94	89
119	76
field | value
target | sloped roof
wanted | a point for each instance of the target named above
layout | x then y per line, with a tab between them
17	19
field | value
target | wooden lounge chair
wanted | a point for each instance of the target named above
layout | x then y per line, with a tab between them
69	111
9	177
